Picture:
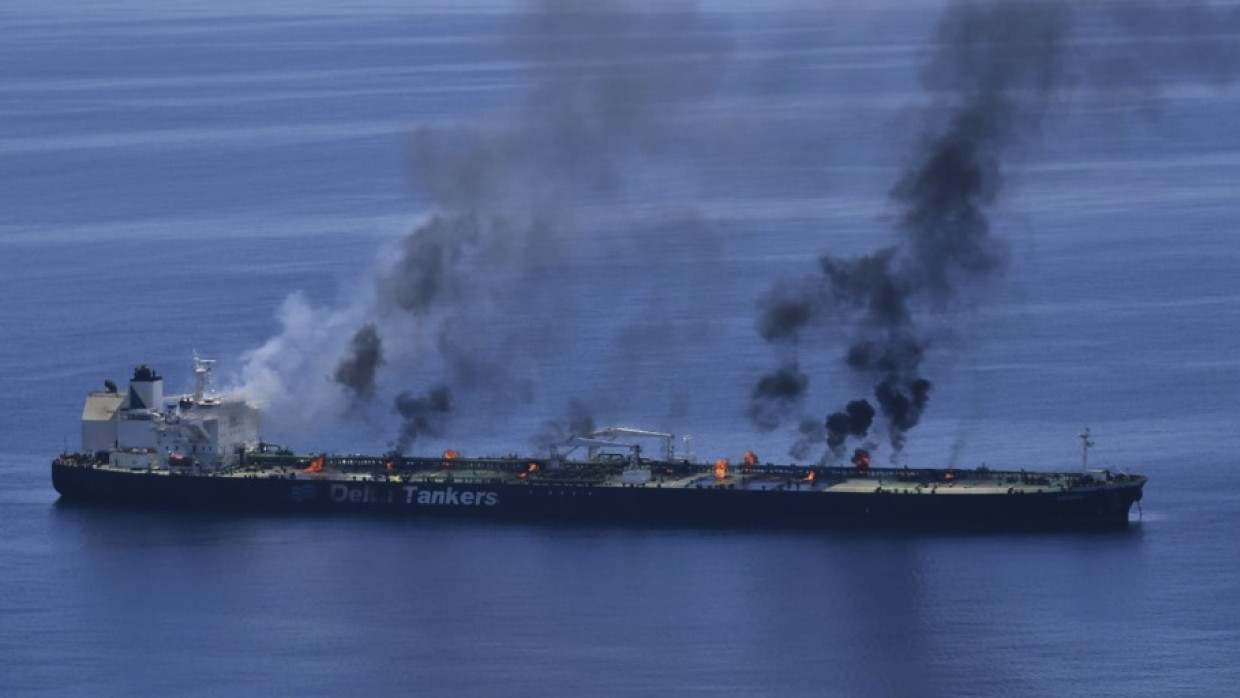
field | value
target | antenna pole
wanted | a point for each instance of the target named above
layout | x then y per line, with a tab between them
1086	443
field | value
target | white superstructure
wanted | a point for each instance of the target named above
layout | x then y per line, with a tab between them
142	429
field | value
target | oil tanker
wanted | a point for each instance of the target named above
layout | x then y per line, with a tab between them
196	451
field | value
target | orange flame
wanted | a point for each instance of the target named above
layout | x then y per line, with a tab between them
533	468
449	455
810	477
751	459
721	468
861	459
316	465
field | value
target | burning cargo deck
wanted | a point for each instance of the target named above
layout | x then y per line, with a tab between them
196	452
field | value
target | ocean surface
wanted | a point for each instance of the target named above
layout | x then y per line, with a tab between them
240	180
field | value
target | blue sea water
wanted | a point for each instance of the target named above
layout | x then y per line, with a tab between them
172	176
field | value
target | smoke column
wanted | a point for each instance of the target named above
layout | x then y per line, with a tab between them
993	72
996	69
357	370
854	420
421	415
605	88
578	422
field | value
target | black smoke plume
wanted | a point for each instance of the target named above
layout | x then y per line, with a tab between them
776	394
813	434
854	420
996	68
423	415
356	371
605	85
578	422
993	72
421	275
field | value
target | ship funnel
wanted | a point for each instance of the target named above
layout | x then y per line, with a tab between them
146	390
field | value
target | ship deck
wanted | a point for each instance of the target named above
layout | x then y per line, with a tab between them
663	474
760	478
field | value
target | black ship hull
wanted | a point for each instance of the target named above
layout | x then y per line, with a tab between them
1104	506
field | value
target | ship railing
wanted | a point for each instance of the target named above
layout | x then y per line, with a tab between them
360	464
78	459
538	469
926	476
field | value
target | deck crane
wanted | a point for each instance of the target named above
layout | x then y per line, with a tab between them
635	472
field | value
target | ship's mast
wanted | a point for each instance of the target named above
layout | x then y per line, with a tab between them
202	377
1086	444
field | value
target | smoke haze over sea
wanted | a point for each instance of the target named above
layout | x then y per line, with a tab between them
475	311
478	304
